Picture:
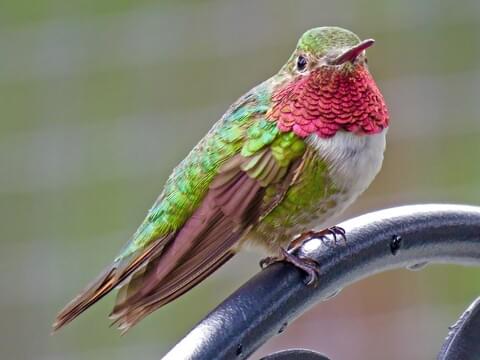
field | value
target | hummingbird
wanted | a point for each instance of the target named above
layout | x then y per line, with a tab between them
285	158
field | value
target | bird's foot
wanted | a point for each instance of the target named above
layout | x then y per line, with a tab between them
308	265
335	231
269	260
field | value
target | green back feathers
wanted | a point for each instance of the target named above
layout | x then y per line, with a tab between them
260	134
187	185
243	130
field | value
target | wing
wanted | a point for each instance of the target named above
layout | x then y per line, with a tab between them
235	201
209	202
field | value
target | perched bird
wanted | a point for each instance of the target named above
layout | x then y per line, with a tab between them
286	157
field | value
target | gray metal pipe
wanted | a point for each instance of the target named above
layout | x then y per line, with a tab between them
463	340
393	238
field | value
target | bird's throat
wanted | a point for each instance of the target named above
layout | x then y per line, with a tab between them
327	100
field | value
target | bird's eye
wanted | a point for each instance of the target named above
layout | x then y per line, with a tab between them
301	63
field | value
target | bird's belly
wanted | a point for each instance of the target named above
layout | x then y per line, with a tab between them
280	227
330	183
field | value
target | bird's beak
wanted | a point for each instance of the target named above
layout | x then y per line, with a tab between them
352	53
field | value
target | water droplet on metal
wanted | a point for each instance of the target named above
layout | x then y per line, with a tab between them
417	267
395	244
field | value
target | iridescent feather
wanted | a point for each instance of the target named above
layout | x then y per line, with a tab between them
270	167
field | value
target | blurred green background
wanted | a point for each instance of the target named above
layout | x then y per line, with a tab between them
100	100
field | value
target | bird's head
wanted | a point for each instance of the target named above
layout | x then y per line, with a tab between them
325	87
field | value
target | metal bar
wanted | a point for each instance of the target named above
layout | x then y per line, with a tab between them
378	241
463	340
295	354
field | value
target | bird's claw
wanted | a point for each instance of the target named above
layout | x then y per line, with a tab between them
308	265
334	231
269	260
337	230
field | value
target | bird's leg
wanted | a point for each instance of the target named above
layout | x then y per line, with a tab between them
308	265
322	235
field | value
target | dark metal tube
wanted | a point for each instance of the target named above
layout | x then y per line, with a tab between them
378	241
463	340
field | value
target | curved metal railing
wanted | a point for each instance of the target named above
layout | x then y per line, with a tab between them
393	238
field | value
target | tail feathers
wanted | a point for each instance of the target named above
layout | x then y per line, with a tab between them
90	295
114	275
133	285
127	314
